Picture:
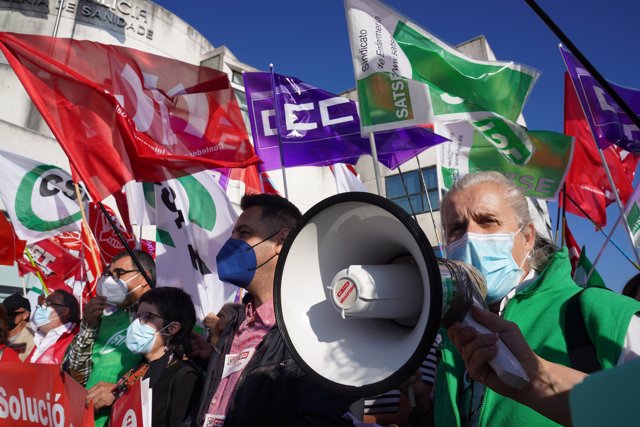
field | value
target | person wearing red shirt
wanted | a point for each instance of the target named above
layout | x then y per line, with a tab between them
56	318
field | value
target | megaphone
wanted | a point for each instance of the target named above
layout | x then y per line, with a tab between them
359	294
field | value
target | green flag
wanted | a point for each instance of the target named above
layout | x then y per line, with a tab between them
582	270
467	151
406	77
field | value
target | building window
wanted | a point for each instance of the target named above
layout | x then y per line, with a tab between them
417	193
241	97
236	77
213	62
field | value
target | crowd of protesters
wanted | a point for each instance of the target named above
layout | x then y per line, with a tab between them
243	374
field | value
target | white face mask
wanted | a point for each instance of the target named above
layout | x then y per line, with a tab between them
115	290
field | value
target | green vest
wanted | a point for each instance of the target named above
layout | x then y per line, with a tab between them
111	358
539	312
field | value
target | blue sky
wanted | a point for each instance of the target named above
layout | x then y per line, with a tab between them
308	39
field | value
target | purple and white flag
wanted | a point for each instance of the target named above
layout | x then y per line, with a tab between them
318	128
609	124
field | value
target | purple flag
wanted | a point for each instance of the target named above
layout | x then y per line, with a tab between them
609	124
318	128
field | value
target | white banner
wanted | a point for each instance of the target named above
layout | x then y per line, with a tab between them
194	219
40	199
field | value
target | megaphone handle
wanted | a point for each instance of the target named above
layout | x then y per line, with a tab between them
412	396
505	363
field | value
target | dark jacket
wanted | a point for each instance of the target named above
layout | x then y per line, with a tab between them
272	390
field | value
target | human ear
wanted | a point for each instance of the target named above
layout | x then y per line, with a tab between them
282	236
174	328
529	234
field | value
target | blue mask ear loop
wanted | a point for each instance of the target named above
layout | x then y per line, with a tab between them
260	242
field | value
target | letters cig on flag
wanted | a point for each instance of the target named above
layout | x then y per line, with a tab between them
122	114
468	151
319	128
609	124
587	183
194	218
406	77
40	199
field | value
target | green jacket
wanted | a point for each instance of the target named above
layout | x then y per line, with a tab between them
539	312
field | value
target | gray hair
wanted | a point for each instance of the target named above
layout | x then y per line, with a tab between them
543	249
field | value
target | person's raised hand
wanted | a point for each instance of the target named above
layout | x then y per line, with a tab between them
478	349
93	310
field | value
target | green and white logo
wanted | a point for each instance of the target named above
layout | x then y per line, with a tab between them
40	199
46	181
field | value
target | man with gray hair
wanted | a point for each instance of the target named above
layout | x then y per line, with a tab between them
487	224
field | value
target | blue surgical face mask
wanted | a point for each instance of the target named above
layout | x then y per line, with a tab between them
42	315
237	263
140	338
491	254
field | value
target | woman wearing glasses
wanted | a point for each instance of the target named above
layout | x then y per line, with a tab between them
160	331
56	318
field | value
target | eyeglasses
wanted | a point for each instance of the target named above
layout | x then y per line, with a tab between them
144	316
117	272
47	303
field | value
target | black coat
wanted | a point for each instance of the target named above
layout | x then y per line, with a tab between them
272	390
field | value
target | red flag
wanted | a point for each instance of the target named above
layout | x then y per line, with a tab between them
89	271
572	245
105	236
587	182
11	248
255	182
122	114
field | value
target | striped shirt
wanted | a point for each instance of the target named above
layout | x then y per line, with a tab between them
388	403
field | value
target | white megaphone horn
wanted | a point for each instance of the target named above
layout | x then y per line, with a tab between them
359	295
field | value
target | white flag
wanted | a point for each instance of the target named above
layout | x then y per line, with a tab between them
139	201
40	198
346	179
194	218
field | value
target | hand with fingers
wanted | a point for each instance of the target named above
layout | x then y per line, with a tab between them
548	389
93	311
101	395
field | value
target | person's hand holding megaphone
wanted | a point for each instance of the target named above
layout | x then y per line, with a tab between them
548	389
477	349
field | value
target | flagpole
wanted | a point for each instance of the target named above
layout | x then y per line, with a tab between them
618	202
555	238
585	62
277	113
376	166
33	264
593	266
433	220
608	236
58	17
564	215
133	256
406	192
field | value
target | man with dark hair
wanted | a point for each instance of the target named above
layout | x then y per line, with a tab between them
20	334
252	379
98	355
56	319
